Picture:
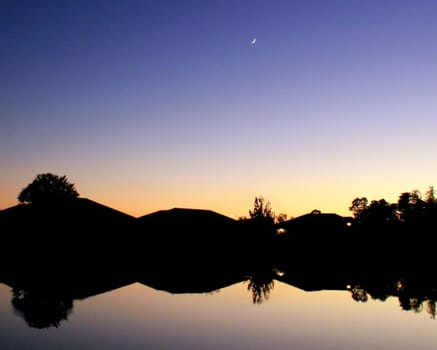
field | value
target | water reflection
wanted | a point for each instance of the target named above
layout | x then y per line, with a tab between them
412	295
41	311
260	284
198	251
46	304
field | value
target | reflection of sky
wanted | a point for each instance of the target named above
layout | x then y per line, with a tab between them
139	317
152	105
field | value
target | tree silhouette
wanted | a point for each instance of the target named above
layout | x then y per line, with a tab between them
261	221
430	195
281	218
380	212
430	210
358	207
410	207
47	187
262	210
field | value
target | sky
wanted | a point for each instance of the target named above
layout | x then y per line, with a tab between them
151	105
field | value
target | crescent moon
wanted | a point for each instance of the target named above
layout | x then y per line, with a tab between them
253	41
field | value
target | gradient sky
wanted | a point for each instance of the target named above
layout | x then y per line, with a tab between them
149	105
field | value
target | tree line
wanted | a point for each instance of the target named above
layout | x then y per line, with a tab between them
410	209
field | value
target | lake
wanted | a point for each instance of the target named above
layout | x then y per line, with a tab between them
136	316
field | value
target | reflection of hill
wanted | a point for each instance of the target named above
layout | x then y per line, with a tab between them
414	292
68	286
47	302
193	282
46	299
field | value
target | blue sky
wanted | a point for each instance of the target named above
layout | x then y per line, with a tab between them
148	105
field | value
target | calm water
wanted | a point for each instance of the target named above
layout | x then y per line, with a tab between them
139	317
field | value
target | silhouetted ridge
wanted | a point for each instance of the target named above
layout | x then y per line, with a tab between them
200	216
187	226
79	209
319	221
73	234
93	210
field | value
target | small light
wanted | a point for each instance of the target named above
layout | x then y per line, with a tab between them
280	273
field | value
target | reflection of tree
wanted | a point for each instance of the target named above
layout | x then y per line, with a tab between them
408	303
39	311
431	308
359	294
411	296
416	304
260	284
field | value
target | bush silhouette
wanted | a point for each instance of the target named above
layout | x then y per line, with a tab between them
47	187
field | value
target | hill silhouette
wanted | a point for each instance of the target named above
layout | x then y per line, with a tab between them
186	224
78	212
79	236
